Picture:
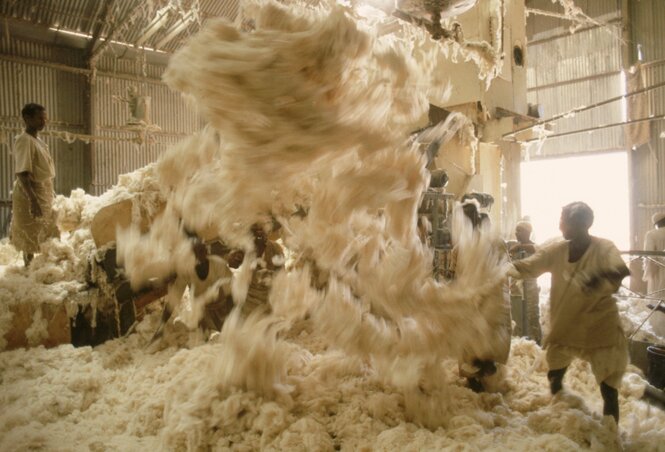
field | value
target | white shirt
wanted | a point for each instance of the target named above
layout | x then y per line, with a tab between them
32	155
579	317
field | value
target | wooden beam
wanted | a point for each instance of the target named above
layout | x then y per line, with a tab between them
58	66
106	15
128	19
81	71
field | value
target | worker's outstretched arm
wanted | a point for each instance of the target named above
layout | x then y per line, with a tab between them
533	266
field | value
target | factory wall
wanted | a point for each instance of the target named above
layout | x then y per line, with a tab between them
648	160
561	77
84	104
567	70
122	150
27	77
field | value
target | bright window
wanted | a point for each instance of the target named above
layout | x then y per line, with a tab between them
600	180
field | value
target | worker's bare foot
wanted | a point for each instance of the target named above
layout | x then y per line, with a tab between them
27	258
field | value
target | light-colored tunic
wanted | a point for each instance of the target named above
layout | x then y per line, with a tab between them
584	322
259	288
27	232
579	317
654	275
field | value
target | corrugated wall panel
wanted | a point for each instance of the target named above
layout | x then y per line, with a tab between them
169	112
115	63
43	52
62	93
544	27
113	158
565	62
565	97
168	108
561	77
648	171
648	18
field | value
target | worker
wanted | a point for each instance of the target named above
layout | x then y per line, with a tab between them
33	218
270	258
654	269
525	293
496	308
524	246
213	268
209	283
584	319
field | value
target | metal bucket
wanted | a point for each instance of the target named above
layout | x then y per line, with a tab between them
638	354
656	372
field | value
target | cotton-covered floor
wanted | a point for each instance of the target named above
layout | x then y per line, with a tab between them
347	161
123	395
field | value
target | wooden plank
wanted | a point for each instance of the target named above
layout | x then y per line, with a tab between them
107	219
58	329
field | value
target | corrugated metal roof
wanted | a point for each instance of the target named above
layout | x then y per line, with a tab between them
169	112
126	20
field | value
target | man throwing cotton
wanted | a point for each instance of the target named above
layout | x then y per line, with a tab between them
584	319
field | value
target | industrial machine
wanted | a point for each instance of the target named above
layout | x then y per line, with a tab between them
437	207
428	14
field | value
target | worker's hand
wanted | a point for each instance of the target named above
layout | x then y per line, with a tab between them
512	272
606	282
600	285
35	209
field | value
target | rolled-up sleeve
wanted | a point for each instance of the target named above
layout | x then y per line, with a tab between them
23	155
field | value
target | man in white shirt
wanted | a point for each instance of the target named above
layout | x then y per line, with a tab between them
584	319
654	269
33	218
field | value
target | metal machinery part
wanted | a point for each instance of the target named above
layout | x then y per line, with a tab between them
442	8
485	200
413	11
437	206
451	8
